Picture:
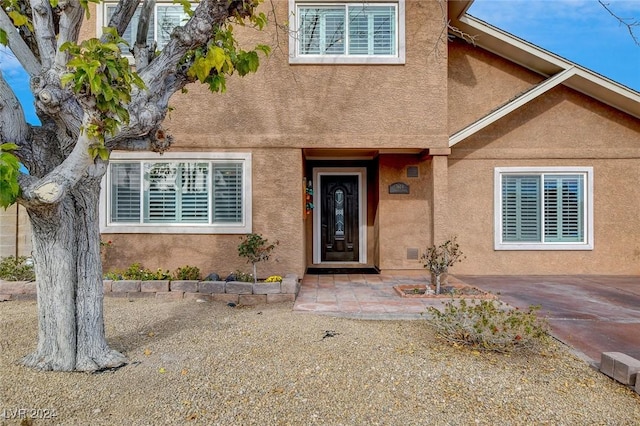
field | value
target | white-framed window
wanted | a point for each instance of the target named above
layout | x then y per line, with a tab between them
177	193
346	32
165	17
543	208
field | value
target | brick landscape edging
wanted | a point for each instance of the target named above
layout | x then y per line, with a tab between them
215	291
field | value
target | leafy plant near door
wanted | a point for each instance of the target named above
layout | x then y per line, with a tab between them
255	249
438	259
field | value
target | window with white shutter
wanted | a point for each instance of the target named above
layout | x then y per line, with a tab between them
347	32
165	17
544	208
208	193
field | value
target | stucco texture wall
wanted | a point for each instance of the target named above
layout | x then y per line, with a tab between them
479	81
325	106
561	128
404	220
277	215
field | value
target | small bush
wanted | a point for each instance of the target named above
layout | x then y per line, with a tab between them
243	277
115	276
438	259
138	272
255	249
489	325
187	273
273	279
17	269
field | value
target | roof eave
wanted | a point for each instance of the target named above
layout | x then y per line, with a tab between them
542	61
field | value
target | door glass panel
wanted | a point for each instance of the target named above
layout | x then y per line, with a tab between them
339	212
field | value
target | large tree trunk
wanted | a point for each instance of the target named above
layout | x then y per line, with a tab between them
66	243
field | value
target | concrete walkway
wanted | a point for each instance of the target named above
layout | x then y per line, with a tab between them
592	314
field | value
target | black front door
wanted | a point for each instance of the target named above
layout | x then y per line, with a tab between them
339	219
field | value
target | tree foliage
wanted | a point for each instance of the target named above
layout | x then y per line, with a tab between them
91	100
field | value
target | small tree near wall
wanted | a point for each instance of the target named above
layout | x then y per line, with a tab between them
255	249
439	259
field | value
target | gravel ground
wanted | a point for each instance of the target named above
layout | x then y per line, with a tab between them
207	363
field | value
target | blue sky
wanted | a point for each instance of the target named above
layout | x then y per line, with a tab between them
579	30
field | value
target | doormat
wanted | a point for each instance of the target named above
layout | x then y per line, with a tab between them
333	271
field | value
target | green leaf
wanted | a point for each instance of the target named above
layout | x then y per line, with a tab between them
264	49
4	39
217	56
9	172
103	153
18	18
186	6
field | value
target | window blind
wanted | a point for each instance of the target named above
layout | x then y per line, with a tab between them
352	29
178	192
563	208
322	30
521	208
132	29
227	193
372	30
168	17
125	192
161	196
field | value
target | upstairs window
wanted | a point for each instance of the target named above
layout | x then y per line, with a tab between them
347	32
544	209
165	17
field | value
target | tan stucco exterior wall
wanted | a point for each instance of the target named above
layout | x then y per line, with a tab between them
479	81
277	215
326	106
561	128
405	220
15	232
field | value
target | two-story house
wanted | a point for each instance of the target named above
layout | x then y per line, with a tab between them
370	134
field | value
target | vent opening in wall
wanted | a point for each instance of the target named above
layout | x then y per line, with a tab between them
412	171
413	254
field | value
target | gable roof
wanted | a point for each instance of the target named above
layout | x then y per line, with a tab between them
558	70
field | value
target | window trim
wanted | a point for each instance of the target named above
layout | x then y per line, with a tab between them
588	242
399	58
108	227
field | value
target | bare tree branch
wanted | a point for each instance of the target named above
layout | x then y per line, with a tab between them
141	51
448	28
70	22
122	15
630	23
45	31
19	48
13	127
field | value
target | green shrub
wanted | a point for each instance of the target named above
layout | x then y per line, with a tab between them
138	272
17	269
490	325
115	276
244	277
187	273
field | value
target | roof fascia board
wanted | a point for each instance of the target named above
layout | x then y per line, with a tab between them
511	106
